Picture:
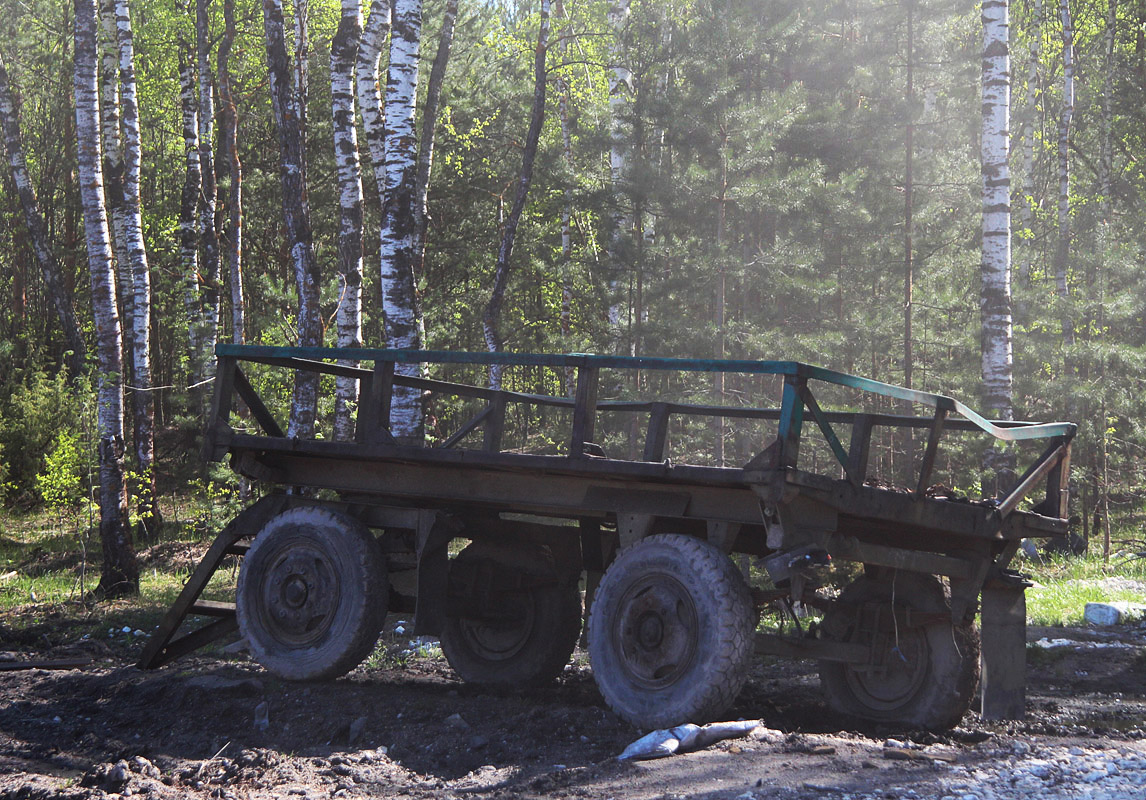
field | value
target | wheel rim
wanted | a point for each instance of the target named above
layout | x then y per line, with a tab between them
899	669
299	592
655	631
501	640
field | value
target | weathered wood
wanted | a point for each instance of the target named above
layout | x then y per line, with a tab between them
466	429
494	423
850	548
255	403
1050	467
931	451
584	412
219	420
374	411
791	421
658	433
1003	635
860	449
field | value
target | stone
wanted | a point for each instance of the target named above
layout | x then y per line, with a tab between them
356	729
1115	613
456	721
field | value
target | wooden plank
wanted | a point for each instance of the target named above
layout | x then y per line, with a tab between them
219	419
852	549
255	403
465	430
159	648
212	608
657	436
1058	485
825	428
860	449
791	421
584	412
930	452
1046	467
200	637
1004	652
494	423
374	410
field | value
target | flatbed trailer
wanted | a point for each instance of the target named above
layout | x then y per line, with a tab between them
644	549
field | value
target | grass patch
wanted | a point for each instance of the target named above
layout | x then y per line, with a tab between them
1066	584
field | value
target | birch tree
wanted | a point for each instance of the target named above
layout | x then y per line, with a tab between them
37	228
296	212
231	175
189	205
1027	207
208	191
343	57
120	572
995	271
112	148
143	405
398	251
374	33
1066	114
501	272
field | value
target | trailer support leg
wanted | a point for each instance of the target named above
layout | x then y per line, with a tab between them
1004	649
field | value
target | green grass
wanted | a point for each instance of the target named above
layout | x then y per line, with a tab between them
1066	584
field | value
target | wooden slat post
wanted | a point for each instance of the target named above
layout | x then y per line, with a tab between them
495	423
860	449
932	449
584	410
791	420
1004	650
658	433
1058	486
219	421
374	409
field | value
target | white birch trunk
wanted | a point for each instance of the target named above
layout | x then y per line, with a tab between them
120	573
399	228
620	99
113	154
995	293
1062	252
1027	207
143	406
229	143
570	375
209	237
189	206
343	55
374	33
296	213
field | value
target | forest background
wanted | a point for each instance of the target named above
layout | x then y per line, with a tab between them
750	179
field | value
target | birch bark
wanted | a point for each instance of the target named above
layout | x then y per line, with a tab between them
563	91
189	205
120	572
995	293
1062	251
1027	207
399	228
37	227
208	193
501	274
620	98
143	406
374	33
113	155
343	56
232	175
296	213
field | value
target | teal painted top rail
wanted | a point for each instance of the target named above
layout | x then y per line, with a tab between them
1011	432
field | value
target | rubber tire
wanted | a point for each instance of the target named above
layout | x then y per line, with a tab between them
500	656
337	609
690	669
942	675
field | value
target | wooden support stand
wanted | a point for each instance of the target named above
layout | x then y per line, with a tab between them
1004	643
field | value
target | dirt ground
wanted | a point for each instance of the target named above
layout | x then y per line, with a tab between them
220	727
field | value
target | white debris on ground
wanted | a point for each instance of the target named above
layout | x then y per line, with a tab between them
1056	644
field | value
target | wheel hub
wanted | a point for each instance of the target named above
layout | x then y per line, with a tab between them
300	594
656	631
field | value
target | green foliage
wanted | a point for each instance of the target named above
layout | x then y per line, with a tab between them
61	484
41	417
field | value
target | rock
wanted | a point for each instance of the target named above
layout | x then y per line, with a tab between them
1116	613
356	728
262	716
217	683
456	721
478	742
142	766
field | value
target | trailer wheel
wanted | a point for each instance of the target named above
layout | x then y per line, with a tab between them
924	676
671	632
522	636
312	594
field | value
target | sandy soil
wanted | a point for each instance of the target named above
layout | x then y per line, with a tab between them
220	727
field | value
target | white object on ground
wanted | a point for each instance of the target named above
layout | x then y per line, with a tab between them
684	738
